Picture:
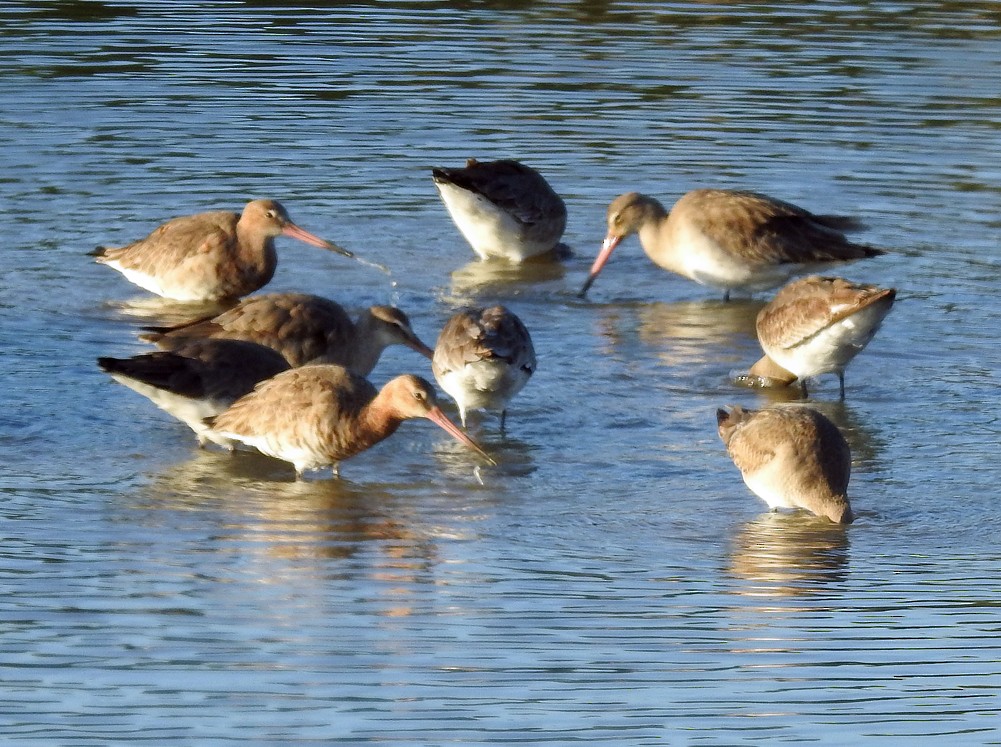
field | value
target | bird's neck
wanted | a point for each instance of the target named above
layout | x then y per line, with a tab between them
665	241
367	346
256	252
377	422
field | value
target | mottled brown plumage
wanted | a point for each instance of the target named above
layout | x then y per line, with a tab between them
817	325
211	256
318	415
305	329
791	457
503	208
196	379
728	239
483	358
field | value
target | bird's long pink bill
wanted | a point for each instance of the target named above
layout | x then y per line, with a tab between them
293	231
607	246
436	416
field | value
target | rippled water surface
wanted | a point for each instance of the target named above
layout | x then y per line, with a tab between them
612	580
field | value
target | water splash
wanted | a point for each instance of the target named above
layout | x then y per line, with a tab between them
374	265
395	294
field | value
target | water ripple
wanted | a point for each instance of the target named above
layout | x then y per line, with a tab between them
612	580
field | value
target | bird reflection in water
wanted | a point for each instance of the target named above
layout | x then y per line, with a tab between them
165	312
685	333
296	534
513	456
259	506
788	554
502	278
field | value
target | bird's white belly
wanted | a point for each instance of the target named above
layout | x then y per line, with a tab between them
153	284
711	264
490	231
190	411
144	281
694	255
300	455
484	385
771	483
832	348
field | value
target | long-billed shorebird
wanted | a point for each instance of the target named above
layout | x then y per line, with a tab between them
504	208
817	325
305	328
319	415
483	358
790	457
196	379
215	256
730	240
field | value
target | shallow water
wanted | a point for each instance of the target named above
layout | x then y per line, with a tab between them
612	580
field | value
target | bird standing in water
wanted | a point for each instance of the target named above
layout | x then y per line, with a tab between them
196	379
731	240
305	329
503	208
483	358
215	256
319	415
790	457
817	325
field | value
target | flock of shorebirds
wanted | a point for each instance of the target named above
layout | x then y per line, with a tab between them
284	373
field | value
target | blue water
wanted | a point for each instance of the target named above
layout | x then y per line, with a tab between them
612	580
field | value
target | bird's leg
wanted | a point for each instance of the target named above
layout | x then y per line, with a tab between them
503	420
802	386
841	382
726	296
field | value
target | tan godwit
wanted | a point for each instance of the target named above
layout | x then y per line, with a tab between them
318	415
196	379
504	208
790	457
212	256
817	325
305	328
727	239
483	358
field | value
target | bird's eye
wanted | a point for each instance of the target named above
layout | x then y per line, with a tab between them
419	396
272	214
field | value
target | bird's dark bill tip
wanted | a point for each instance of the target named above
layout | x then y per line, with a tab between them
340	250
